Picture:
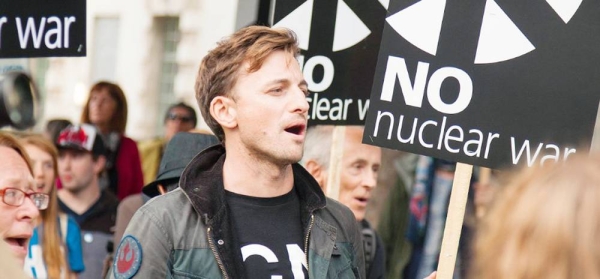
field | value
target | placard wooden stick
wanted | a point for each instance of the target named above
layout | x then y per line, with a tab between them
454	220
335	162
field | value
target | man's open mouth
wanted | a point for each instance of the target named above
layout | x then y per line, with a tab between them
296	129
362	199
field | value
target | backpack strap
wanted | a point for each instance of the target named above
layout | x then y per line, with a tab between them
370	245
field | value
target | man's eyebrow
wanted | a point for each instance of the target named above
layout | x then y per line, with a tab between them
278	81
285	81
359	161
303	83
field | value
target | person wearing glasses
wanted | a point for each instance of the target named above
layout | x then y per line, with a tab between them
55	247
20	203
179	118
80	163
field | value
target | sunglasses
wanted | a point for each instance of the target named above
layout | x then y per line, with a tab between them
182	118
16	197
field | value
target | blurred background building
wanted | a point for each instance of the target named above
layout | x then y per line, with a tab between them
151	48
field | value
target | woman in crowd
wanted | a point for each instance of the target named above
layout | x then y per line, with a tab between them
106	108
47	257
543	224
20	204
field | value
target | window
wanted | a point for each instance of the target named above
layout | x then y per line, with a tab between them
104	59
168	39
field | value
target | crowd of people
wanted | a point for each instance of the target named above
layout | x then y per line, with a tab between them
81	172
83	200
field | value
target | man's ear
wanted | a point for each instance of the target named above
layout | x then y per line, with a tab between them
99	165
223	110
318	172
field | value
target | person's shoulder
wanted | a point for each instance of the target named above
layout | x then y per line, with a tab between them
172	203
172	210
338	207
128	142
134	201
336	212
150	144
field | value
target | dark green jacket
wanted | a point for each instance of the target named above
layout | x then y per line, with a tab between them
187	233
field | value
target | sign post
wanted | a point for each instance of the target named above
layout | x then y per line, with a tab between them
454	220
335	162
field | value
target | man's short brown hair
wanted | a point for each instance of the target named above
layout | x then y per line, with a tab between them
220	67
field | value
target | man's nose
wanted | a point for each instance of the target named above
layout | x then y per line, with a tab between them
370	179
299	102
64	163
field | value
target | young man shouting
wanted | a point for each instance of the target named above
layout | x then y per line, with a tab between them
246	209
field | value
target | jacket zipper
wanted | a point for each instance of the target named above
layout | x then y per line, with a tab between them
312	221
212	247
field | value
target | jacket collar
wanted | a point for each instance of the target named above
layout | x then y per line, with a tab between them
202	182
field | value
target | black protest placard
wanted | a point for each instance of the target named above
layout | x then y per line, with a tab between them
42	28
491	83
339	41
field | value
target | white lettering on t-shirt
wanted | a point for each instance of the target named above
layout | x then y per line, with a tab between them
295	253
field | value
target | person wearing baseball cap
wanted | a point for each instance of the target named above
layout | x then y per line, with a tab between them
81	162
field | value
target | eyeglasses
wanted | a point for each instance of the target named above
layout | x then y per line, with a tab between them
16	197
182	118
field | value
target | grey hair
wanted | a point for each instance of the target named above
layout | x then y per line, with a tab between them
317	145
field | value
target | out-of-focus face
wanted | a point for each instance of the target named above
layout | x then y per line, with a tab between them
360	168
16	222
76	169
271	110
43	168
178	120
102	107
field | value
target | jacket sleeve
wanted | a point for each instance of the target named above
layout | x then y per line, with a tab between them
144	251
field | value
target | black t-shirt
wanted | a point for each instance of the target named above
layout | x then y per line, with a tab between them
269	234
100	217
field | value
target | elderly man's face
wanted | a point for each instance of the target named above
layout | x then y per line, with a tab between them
16	222
360	169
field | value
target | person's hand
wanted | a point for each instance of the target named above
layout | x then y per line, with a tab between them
433	275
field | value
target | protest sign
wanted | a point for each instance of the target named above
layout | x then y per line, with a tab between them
42	28
339	41
488	83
